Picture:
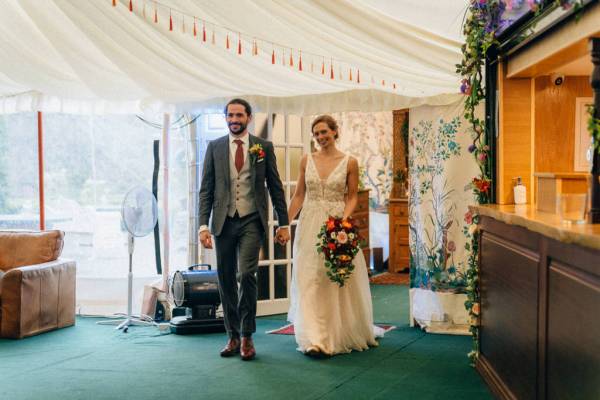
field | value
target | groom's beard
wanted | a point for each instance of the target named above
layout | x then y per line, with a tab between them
236	128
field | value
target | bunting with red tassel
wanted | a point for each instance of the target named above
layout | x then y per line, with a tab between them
284	61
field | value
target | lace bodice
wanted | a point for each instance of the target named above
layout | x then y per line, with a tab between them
326	193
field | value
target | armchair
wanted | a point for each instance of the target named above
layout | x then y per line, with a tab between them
37	288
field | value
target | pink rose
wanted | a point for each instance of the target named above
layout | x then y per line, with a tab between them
342	237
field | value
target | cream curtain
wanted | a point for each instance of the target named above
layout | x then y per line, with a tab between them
89	57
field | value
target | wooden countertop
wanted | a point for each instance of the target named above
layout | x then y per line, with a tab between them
547	224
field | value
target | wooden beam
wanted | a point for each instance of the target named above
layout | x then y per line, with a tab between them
566	43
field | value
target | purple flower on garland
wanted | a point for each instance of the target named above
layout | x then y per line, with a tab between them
472	148
465	88
566	4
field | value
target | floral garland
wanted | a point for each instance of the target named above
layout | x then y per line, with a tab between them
484	18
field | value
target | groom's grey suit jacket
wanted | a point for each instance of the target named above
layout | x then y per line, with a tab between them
215	190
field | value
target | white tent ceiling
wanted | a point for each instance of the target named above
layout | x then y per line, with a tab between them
87	56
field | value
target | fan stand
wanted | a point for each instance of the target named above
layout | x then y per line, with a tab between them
130	319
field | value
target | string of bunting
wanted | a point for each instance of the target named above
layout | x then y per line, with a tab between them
205	32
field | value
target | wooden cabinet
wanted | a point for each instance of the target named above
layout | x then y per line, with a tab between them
539	335
361	218
399	250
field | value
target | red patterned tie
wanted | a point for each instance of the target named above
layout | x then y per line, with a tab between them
239	155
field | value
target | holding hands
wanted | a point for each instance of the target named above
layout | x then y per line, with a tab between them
282	235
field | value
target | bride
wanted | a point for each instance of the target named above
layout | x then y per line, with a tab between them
327	319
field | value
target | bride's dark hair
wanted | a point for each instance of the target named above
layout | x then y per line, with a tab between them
329	120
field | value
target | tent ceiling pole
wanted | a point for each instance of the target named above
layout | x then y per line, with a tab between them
41	170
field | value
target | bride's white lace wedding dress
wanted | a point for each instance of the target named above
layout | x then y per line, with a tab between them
327	317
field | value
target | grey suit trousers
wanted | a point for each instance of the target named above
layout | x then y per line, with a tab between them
238	247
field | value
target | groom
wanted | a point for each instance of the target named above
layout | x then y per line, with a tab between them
236	168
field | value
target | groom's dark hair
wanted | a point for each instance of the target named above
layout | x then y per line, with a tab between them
242	102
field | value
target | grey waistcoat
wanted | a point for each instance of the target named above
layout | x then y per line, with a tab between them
241	189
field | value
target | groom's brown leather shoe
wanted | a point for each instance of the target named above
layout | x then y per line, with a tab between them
247	350
231	348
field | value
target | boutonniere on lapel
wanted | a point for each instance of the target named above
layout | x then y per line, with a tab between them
257	153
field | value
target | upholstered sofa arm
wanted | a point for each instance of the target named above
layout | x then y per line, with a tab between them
38	298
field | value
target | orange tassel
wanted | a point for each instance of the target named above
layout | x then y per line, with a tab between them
203	31
358	76
114	3
254	48
323	67
155	15
239	45
394	86
273	57
350	77
331	75
383	82
227	41
130	5
170	21
300	62
195	33
291	58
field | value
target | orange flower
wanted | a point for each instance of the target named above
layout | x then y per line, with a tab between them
330	225
475	309
344	258
346	224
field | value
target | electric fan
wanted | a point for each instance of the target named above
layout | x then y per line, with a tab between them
139	214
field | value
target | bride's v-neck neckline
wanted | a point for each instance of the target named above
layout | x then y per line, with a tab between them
332	171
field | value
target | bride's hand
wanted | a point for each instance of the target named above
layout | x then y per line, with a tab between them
282	236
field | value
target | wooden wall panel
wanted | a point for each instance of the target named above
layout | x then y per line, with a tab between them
555	122
515	147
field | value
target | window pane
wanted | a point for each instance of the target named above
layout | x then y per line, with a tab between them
294	129
91	163
19	187
281	281
295	158
278	129
280	155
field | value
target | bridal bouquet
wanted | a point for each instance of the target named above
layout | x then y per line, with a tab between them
339	243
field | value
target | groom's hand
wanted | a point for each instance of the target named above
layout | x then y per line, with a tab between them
283	236
205	239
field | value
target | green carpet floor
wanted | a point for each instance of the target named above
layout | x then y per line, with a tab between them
89	361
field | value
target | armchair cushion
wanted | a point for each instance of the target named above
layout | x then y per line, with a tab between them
19	248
